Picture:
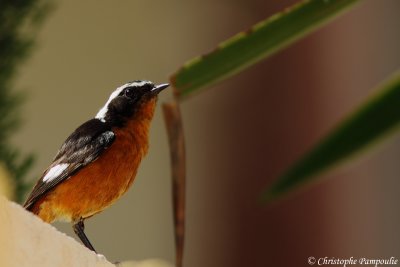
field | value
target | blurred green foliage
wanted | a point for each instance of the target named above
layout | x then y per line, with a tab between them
19	22
259	42
367	124
377	116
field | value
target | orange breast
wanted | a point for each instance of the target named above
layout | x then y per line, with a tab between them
102	182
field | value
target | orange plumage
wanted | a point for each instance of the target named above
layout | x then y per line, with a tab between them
101	183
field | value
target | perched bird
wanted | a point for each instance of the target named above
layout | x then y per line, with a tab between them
98	161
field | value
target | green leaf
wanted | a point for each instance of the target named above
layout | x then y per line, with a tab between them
376	117
259	42
19	23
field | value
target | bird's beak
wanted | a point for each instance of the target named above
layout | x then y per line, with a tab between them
158	88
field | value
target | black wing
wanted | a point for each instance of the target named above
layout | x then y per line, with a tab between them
83	146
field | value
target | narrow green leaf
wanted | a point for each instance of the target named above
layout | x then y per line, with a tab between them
260	41
376	117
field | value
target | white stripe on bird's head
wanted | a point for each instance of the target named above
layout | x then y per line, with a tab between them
103	111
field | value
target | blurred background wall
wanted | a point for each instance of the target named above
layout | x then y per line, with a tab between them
240	135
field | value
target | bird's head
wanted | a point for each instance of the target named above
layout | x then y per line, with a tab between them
128	100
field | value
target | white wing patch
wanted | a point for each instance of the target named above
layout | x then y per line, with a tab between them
103	111
55	172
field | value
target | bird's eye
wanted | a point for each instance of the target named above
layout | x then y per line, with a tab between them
130	93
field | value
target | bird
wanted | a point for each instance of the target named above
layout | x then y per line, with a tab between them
98	162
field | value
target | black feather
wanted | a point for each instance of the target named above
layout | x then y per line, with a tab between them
83	146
